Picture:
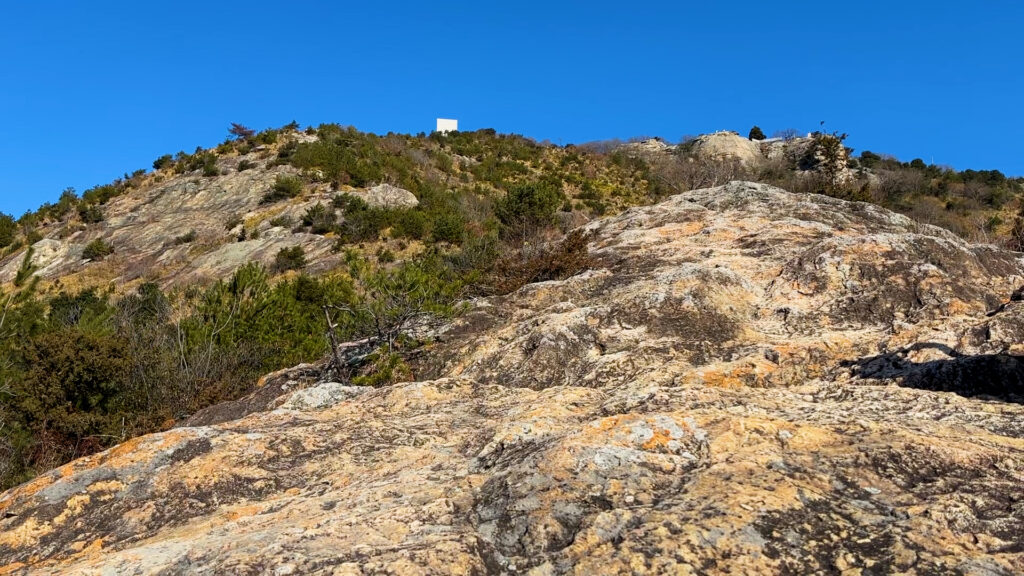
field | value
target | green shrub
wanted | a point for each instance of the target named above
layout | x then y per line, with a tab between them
89	373
364	225
869	159
410	224
73	385
26	270
165	161
90	214
210	166
349	203
596	205
293	258
385	256
284	187
244	165
97	250
67	202
8	230
346	156
319	219
449	226
529	206
360	222
267	137
756	133
383	368
86	307
102	194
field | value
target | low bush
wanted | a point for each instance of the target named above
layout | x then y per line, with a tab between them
267	137
26	270
165	161
385	256
284	187
383	367
102	194
529	206
364	225
360	222
210	168
90	214
449	226
8	230
293	258
97	250
411	224
319	219
551	262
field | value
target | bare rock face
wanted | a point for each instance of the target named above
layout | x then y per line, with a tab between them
728	146
648	147
388	196
748	382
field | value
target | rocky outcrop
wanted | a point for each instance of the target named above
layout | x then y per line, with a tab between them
746	381
388	196
803	154
648	147
727	146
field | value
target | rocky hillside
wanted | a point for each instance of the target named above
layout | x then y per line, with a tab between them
745	381
198	217
190	228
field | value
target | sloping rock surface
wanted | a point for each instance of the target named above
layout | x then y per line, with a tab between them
748	381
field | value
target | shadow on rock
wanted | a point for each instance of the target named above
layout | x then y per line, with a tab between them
999	376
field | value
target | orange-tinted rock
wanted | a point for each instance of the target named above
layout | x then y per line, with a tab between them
749	382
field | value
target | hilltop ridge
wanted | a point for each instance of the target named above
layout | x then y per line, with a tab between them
199	216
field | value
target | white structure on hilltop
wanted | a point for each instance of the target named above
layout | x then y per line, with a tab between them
446	125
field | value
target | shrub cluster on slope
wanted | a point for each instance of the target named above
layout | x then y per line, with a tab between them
86	370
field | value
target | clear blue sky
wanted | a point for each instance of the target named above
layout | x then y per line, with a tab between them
91	90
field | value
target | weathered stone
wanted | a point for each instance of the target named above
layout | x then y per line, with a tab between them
748	381
728	146
387	196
